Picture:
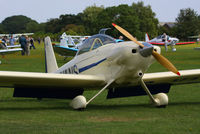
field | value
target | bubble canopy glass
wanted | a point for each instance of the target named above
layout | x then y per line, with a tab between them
94	42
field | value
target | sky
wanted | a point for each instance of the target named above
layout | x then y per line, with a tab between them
42	10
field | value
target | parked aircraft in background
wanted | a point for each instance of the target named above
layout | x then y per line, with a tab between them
15	36
194	37
69	45
101	63
197	37
4	49
171	41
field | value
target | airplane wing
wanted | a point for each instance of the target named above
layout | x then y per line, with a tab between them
6	51
185	43
28	79
65	51
13	46
156	43
156	83
12	79
162	44
187	77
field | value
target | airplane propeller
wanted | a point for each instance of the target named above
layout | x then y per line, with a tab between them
161	59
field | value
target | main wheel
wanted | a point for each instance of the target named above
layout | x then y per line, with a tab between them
79	102
161	100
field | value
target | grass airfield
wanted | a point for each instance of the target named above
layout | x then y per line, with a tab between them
131	115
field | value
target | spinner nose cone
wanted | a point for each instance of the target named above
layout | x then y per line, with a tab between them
146	51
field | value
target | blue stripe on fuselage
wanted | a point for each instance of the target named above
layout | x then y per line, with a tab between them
90	66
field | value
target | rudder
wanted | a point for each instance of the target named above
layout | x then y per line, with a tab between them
50	59
147	38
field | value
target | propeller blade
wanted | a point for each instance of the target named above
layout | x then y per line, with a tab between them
165	62
127	34
161	59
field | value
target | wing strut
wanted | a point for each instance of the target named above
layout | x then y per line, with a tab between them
80	102
160	99
100	91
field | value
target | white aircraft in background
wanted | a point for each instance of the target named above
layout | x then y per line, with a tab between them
16	36
101	63
69	45
171	41
4	49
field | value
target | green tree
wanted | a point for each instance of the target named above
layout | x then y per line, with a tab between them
90	20
187	23
53	26
56	25
16	24
32	27
122	15
136	19
1	28
148	22
73	29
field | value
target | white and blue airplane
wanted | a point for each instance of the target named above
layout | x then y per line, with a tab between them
101	64
67	45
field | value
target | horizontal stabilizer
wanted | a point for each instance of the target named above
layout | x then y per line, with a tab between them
65	51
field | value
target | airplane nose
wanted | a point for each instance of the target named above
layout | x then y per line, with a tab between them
146	51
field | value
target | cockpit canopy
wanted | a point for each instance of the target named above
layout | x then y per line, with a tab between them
94	42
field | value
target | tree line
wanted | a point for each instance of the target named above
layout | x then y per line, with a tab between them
136	18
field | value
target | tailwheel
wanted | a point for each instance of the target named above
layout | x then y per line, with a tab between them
161	100
79	103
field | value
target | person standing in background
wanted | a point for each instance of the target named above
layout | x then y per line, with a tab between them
164	39
32	43
12	41
22	41
38	40
27	46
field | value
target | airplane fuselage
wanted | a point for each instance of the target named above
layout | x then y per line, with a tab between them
120	61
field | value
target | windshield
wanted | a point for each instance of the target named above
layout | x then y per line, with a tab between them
94	42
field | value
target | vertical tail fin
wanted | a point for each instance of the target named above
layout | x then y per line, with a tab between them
64	40
70	41
147	37
50	59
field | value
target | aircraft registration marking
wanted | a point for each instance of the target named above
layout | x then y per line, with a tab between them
71	70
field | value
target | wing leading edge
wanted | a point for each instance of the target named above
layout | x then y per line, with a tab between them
15	79
162	43
6	51
187	77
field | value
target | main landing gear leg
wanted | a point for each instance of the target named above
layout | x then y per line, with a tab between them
80	102
159	100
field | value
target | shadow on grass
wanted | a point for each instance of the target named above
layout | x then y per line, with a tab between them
33	104
137	106
61	105
33	108
184	103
